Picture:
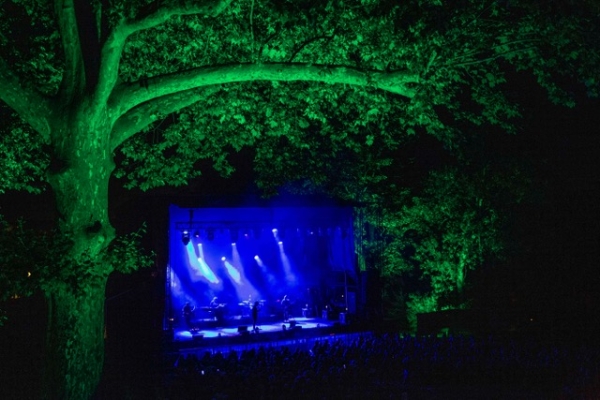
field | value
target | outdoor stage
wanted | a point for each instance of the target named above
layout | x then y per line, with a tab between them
295	265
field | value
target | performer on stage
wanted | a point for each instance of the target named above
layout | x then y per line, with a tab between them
218	310
255	309
188	314
285	305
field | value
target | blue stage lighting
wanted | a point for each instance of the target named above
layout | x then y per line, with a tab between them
185	238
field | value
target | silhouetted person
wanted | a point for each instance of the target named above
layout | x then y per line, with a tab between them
218	310
214	303
285	305
255	308
188	314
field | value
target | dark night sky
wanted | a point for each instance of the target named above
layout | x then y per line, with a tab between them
559	222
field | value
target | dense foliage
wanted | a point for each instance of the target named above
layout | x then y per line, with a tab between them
398	68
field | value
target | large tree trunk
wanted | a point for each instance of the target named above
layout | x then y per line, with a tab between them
74	343
75	347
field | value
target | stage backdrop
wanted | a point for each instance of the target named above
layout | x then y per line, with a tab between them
260	254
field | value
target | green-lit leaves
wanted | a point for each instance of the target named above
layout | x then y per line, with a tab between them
30	43
314	119
32	259
126	254
453	226
168	151
460	51
22	156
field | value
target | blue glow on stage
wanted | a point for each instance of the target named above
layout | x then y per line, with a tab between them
197	267
243	256
233	273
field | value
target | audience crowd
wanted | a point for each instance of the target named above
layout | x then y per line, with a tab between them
368	366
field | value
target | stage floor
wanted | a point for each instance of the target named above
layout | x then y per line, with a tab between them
299	331
232	330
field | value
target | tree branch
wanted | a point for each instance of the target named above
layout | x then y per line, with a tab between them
32	107
110	58
130	95
73	79
151	16
144	114
160	11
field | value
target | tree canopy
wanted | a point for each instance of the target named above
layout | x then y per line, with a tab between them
267	69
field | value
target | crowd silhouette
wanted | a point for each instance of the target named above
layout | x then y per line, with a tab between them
388	367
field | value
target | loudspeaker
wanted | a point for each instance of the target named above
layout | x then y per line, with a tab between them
242	329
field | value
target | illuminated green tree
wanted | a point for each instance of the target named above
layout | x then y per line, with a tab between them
453	226
142	90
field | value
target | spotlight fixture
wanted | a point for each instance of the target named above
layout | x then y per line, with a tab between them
223	259
196	234
185	238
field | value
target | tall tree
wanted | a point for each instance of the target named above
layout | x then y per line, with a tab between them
142	90
453	226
